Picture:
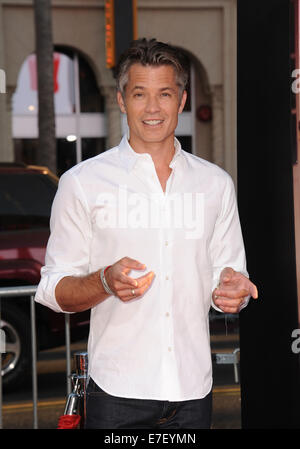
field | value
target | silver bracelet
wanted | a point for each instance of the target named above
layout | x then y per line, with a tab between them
104	282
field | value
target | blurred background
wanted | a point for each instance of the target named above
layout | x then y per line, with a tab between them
87	119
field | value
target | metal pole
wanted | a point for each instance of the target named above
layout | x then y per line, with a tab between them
81	362
30	291
235	366
34	361
18	291
68	352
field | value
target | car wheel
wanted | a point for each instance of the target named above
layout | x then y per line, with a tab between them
16	359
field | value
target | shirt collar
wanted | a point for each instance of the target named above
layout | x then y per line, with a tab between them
129	157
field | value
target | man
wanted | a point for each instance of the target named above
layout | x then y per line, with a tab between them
125	243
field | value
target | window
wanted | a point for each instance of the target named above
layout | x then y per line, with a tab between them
79	110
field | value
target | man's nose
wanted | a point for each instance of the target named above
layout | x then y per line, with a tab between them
152	104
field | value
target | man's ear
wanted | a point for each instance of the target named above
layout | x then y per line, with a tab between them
182	102
121	102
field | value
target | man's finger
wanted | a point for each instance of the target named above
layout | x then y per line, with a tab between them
136	282
132	264
234	294
139	291
223	301
146	278
253	291
230	309
127	280
226	274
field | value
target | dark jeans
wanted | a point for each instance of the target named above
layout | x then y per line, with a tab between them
104	411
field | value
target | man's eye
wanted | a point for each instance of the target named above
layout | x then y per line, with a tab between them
166	94
138	95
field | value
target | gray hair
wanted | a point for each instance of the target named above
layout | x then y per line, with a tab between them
152	53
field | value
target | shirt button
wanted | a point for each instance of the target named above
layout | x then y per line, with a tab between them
169	349
166	243
167	278
167	314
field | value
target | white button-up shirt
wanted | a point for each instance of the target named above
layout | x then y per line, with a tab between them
111	206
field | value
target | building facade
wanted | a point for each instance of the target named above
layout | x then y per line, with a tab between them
88	119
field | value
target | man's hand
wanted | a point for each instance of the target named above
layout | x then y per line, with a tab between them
124	286
233	288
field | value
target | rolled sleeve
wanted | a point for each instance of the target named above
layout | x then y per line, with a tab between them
67	252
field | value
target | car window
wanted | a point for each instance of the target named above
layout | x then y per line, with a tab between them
25	200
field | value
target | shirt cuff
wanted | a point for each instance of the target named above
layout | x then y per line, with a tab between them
45	293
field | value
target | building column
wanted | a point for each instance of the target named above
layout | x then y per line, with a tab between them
7	139
6	144
218	146
113	117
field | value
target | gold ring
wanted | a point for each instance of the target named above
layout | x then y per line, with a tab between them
133	292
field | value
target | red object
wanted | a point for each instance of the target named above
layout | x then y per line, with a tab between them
56	61
32	64
204	113
107	268
68	422
32	72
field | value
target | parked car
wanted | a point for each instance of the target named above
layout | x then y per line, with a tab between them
26	195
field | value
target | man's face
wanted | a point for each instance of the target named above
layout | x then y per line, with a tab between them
152	102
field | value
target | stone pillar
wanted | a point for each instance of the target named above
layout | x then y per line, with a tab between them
113	117
6	140
6	143
8	153
218	143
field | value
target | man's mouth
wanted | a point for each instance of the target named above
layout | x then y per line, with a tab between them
152	122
